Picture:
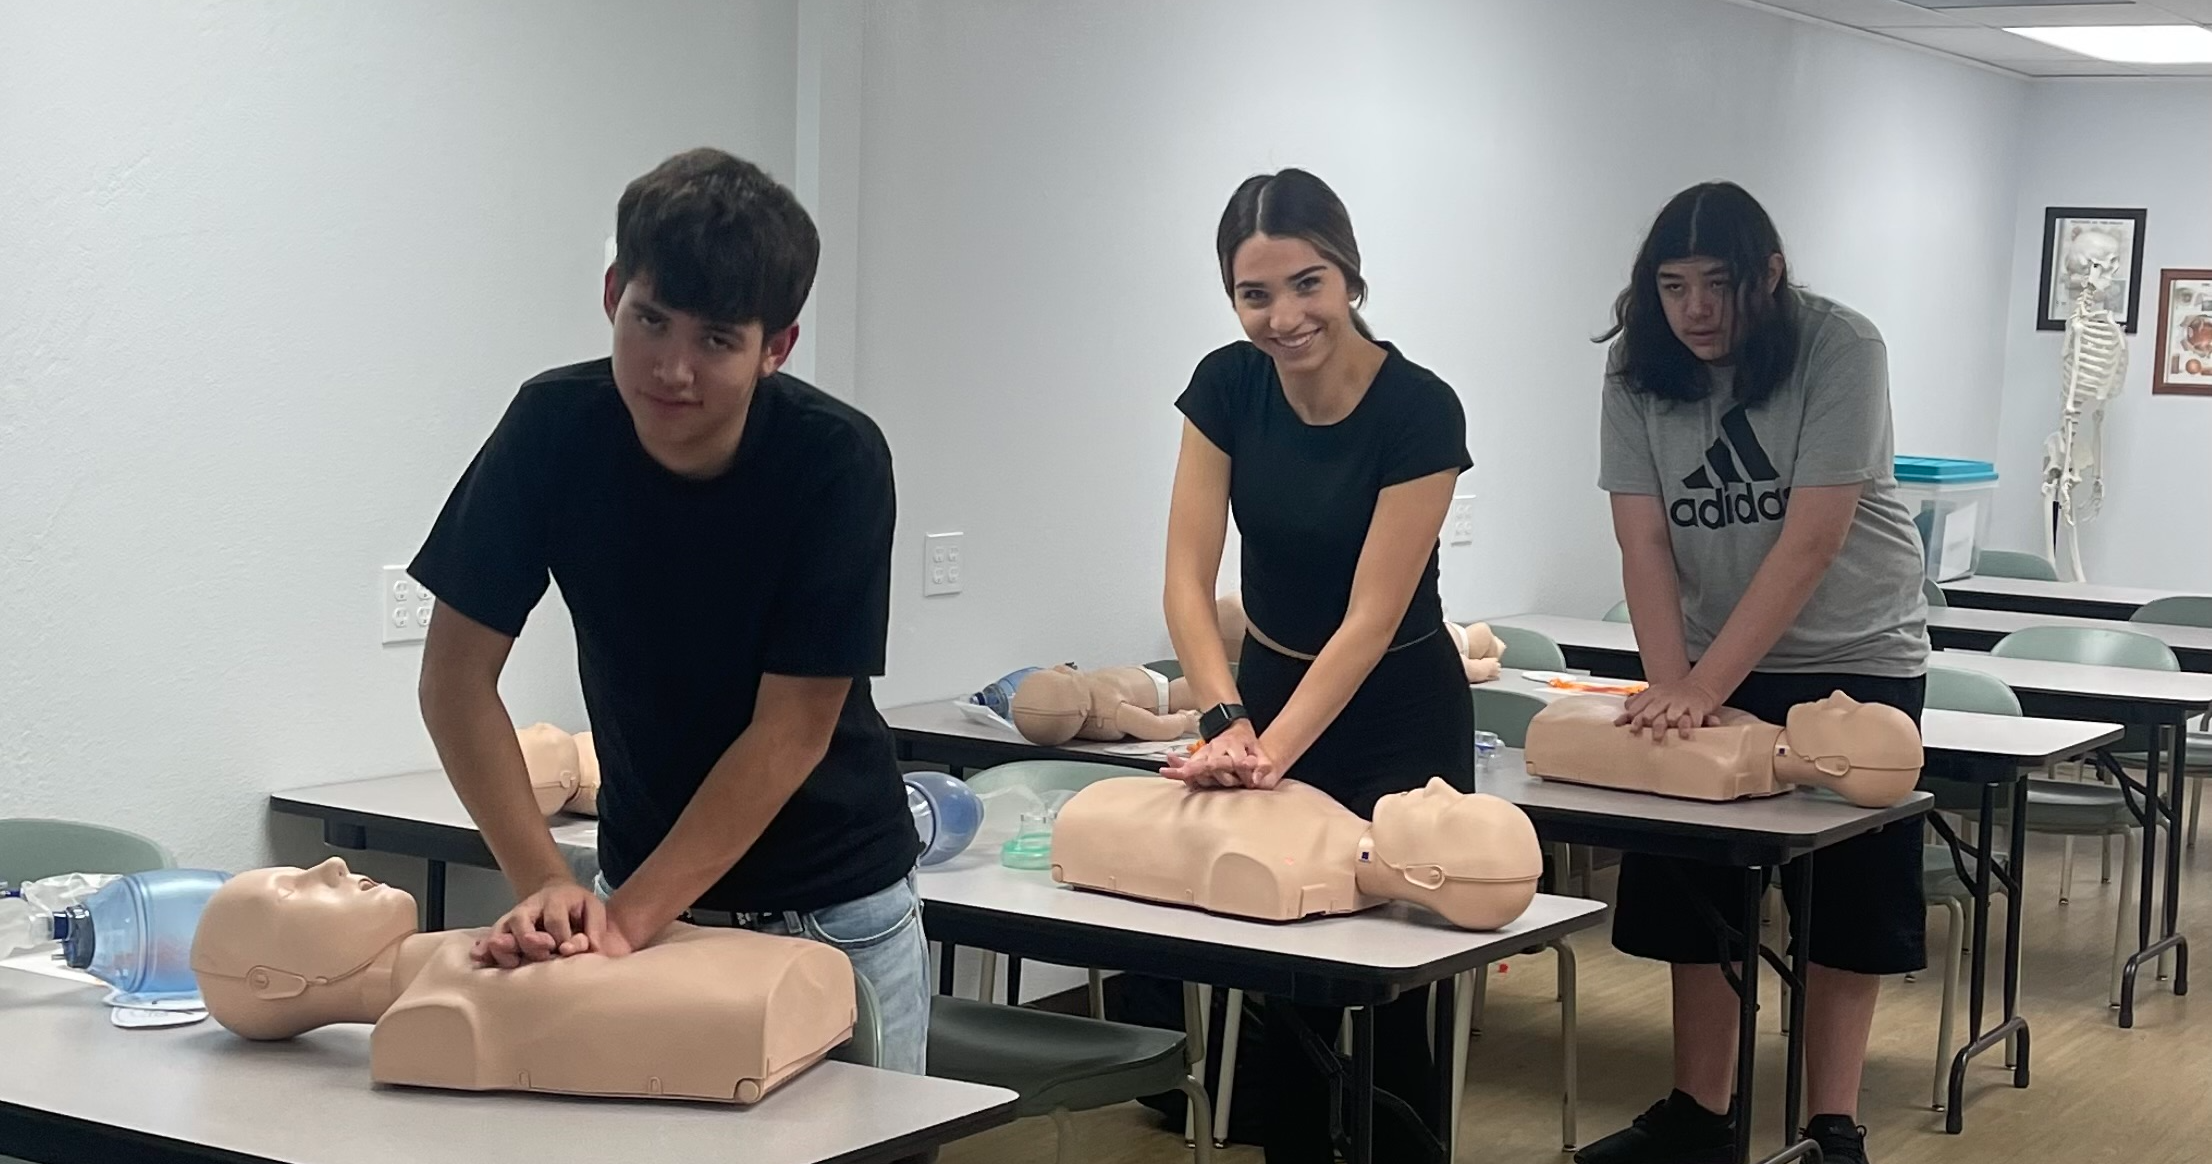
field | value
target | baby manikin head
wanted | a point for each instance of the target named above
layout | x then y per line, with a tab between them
1469	856
279	950
1868	753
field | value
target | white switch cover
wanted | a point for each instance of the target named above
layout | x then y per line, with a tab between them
404	607
941	564
1459	522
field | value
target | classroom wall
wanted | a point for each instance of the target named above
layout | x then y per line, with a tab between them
1039	186
2122	144
274	272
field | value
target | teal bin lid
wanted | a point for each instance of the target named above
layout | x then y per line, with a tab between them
1944	471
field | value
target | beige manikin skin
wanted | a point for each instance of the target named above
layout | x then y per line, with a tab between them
1293	852
700	1014
1868	753
1058	704
555	769
585	800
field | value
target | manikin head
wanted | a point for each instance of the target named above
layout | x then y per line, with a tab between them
1868	753
555	766
1049	705
1291	267
1469	856
713	260
282	951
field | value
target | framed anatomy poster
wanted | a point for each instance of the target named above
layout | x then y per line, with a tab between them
2184	333
2075	239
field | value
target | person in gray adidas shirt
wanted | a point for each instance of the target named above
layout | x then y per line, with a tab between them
1746	446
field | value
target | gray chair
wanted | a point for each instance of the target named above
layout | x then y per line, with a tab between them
31	848
1940	885
1934	593
1619	613
1528	650
2014	564
1059	1064
2187	610
1504	711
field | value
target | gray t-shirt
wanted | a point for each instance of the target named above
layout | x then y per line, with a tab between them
1725	471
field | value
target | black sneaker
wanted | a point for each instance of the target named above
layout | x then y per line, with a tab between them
1840	1140
1675	1131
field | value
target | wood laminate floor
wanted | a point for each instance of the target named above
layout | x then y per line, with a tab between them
2099	1093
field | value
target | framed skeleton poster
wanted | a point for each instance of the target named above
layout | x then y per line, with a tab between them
2075	239
2184	334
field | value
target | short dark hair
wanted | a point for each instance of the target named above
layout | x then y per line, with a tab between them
1292	204
1715	220
717	238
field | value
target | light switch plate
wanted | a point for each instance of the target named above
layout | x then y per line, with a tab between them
1459	522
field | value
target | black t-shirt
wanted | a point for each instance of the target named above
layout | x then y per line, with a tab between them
684	593
1303	495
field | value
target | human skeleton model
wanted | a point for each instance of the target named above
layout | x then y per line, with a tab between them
2093	364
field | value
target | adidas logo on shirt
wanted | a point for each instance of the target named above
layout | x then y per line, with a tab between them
1735	466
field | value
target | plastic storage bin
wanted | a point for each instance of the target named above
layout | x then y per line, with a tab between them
1950	501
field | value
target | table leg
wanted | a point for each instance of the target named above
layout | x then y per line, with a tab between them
1446	1008
1013	980
1801	926
2156	812
945	956
2178	780
433	899
1363	1086
1984	880
1747	1013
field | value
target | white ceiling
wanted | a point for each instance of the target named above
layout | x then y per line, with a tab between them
1975	29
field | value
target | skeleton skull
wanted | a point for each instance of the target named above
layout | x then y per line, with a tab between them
2093	262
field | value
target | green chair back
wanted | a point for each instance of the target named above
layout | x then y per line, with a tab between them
2093	645
866	1046
1504	711
1619	613
2181	610
1950	689
1529	650
1172	668
32	848
2014	564
1934	593
1043	776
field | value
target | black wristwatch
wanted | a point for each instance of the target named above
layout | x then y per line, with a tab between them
1218	719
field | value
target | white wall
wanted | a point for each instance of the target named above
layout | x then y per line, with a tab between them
2114	143
1040	184
274	270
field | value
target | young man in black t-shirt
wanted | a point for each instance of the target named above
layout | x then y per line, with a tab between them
721	533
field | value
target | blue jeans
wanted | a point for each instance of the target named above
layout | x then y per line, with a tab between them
882	935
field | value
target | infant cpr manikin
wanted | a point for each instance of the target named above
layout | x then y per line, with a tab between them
564	771
717	1015
1292	851
1868	753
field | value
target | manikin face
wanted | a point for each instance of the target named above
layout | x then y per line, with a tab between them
319	924
1293	303
687	381
1840	736
1437	833
1699	296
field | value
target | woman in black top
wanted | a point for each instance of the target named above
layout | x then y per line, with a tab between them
1337	455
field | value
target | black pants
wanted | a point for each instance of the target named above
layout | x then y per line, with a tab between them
1869	915
1410	720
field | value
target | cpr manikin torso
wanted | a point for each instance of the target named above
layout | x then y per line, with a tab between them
1868	753
1292	851
700	1014
564	770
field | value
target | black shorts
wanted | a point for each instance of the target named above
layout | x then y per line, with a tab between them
1868	913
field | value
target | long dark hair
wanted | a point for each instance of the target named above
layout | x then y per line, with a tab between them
1292	204
1716	220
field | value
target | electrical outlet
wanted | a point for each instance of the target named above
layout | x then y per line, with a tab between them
941	564
404	612
1459	522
